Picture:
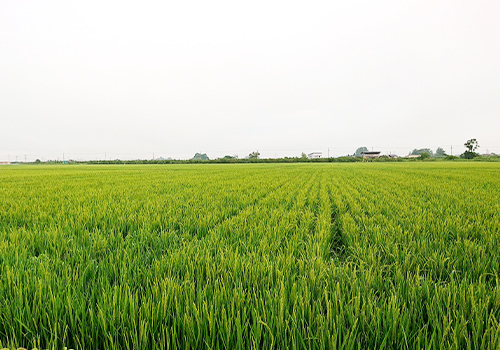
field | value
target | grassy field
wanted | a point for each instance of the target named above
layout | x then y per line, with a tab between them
257	256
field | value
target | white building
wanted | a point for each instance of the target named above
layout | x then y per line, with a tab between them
370	154
314	155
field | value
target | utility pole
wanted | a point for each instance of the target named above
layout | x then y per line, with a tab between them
451	150
104	155
328	152
153	155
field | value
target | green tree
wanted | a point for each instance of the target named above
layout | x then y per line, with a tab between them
472	145
424	155
254	155
418	152
440	153
199	156
359	151
303	156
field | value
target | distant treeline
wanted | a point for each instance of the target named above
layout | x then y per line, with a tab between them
346	159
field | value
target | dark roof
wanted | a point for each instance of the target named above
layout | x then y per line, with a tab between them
371	152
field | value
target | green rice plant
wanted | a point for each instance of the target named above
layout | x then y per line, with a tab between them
250	256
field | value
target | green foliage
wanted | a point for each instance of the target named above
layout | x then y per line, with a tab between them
422	150
347	159
256	256
359	151
469	155
424	155
199	156
440	153
489	158
254	155
472	145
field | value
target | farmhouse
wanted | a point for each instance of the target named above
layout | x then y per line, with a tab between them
314	155
370	154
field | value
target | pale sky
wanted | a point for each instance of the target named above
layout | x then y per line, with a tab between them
129	79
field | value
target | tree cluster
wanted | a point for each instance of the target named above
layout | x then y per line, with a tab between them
472	145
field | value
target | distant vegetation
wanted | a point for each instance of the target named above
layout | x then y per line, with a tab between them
231	159
425	154
199	156
254	155
418	152
472	145
360	151
440	153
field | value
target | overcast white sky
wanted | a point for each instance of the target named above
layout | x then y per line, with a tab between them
172	78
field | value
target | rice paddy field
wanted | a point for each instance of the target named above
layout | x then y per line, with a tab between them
250	256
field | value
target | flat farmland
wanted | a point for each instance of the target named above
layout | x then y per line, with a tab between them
250	256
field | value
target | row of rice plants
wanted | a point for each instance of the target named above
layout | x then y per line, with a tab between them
432	238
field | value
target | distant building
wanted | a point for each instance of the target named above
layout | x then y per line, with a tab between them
413	156
5	163
393	156
314	155
370	154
